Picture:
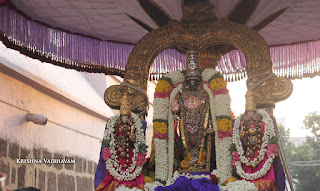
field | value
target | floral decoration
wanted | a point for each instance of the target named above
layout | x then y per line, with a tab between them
152	186
236	157
161	158
218	83
106	153
141	159
160	127
272	149
163	99
176	175
124	188
164	85
268	134
224	126
110	152
239	185
214	179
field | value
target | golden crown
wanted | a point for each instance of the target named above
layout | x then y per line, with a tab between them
193	66
125	105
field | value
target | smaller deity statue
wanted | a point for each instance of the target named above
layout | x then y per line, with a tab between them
255	153
123	150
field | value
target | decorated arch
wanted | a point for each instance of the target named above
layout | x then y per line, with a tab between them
203	32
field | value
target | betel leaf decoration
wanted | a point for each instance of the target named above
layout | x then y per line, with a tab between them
232	147
106	143
142	148
273	140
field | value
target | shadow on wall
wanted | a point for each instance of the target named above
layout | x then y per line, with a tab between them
15	121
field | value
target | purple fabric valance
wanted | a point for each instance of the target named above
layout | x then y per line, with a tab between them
83	53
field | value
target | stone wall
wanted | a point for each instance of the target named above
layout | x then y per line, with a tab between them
74	129
46	176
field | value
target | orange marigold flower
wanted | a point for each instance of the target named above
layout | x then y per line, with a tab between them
156	130
213	85
163	130
160	127
218	83
163	87
224	121
225	127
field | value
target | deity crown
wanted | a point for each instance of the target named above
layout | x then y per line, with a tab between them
125	105
193	66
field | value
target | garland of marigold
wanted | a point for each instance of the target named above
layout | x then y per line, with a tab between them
169	86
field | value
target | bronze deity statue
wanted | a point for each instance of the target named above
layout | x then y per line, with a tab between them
192	120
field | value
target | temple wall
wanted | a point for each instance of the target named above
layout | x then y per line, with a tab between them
73	131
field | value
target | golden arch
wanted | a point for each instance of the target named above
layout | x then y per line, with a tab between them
202	35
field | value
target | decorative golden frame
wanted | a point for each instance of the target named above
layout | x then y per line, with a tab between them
203	31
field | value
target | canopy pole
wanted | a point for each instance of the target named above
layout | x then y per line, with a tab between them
283	157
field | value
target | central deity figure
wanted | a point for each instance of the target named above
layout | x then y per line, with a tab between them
192	121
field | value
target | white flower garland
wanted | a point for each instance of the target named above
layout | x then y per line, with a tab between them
113	167
223	155
175	77
223	159
176	175
268	133
161	159
124	188
208	73
151	186
162	111
220	102
239	185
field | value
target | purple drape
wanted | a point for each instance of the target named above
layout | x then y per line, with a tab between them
184	184
93	55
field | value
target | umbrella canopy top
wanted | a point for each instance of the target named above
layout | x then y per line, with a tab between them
279	22
98	35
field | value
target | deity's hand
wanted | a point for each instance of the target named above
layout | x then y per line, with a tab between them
132	137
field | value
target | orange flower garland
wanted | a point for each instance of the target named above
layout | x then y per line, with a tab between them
218	83
224	126
163	86
160	127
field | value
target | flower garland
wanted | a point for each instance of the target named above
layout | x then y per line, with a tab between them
161	158
110	153
223	156
176	175
239	185
239	158
124	188
151	186
163	121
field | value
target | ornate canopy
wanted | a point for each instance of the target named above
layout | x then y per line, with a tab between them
98	36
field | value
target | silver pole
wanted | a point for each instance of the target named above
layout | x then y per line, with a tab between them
283	157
